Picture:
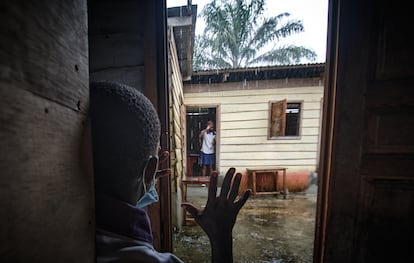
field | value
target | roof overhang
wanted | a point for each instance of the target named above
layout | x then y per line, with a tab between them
182	20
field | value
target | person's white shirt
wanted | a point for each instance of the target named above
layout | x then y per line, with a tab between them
207	146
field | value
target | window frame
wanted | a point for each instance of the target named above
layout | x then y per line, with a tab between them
272	115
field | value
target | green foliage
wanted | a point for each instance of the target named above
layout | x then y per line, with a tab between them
236	33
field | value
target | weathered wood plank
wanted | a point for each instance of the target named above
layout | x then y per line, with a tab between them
242	167
45	193
259	115
177	141
260	163
262	124
294	155
176	111
115	50
274	147
107	17
43	45
253	132
177	94
260	106
264	140
132	76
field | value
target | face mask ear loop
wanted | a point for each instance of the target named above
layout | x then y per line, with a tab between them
144	177
149	162
150	195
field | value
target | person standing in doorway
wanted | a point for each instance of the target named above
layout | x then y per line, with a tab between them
208	136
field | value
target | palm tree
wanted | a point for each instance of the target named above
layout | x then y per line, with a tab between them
237	32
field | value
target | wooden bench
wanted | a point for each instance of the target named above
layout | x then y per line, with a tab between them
191	180
253	173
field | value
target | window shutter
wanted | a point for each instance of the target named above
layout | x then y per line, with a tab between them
278	118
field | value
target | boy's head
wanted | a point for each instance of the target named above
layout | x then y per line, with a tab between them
125	133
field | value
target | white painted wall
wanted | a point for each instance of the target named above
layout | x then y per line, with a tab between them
244	121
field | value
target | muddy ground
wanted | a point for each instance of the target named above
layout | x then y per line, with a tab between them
268	229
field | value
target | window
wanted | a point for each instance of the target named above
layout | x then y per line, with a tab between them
284	119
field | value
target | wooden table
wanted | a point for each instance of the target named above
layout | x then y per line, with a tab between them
192	180
252	172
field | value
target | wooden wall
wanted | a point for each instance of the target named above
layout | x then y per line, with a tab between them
176	115
116	42
177	134
243	115
46	198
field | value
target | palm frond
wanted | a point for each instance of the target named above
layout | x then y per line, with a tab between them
286	55
236	31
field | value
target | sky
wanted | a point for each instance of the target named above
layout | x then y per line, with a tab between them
313	13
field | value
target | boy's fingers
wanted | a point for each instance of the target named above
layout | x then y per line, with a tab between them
240	203
162	173
191	209
212	188
163	157
226	183
235	187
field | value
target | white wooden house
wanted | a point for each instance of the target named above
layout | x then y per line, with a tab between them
265	117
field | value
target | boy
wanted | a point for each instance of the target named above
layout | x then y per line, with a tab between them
125	137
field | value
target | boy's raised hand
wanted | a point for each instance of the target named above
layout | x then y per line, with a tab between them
219	216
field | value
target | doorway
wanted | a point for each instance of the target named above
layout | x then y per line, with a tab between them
196	120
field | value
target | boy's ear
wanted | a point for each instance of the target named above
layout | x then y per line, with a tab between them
150	170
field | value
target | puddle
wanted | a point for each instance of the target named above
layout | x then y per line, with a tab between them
268	229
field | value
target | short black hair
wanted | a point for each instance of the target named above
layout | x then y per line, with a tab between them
125	132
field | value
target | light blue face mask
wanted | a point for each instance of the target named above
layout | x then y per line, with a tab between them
150	196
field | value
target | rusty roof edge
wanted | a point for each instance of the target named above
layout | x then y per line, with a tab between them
225	70
258	73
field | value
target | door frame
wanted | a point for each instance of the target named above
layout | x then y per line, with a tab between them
217	126
326	131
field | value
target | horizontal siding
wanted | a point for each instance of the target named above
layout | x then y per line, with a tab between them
268	162
262	140
176	123
243	127
280	147
263	115
261	124
257	132
241	167
292	165
247	107
274	155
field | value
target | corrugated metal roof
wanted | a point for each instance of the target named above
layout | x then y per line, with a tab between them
258	73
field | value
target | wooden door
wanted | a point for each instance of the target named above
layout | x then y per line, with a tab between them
366	197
